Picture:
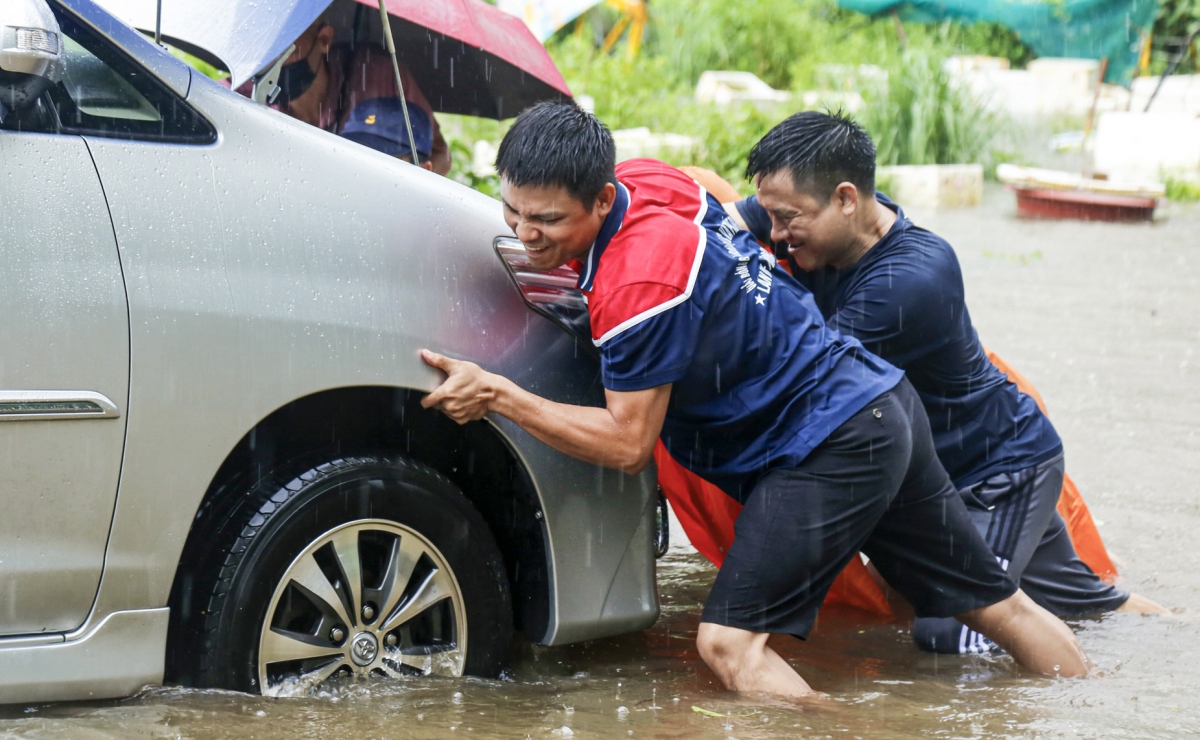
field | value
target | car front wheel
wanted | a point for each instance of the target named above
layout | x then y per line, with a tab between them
366	566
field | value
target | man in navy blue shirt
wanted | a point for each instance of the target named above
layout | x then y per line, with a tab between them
898	289
705	342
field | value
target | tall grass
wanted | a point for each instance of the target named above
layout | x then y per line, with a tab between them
765	37
643	92
917	119
785	41
922	117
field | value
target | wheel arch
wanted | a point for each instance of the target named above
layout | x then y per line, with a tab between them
348	420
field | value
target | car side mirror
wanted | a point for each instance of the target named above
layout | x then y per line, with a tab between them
31	52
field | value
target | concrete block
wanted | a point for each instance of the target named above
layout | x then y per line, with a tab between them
1113	97
1070	76
1179	94
850	102
850	77
1146	145
1049	87
959	65
1005	90
932	185
1064	86
642	142
723	88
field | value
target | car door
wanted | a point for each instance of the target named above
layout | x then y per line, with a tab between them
64	332
64	380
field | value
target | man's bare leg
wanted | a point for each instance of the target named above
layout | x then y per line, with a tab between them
744	662
1137	604
1034	637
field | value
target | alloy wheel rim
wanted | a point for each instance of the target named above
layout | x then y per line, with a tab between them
370	598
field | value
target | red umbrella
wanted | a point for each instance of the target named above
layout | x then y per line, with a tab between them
468	56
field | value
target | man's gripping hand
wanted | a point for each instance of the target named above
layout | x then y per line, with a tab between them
621	435
467	392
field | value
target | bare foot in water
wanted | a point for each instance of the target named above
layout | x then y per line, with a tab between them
1138	604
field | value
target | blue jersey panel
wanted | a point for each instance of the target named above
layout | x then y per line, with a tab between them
905	301
759	379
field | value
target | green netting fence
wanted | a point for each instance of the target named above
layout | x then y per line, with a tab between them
1088	29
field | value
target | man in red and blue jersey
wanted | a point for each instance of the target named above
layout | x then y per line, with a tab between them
898	289
705	342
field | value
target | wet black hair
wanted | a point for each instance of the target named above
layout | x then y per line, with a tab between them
822	150
560	144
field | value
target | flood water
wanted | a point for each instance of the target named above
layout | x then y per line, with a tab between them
1105	320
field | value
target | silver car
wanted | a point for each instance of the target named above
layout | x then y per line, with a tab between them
215	467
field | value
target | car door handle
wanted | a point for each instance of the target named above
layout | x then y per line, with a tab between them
55	405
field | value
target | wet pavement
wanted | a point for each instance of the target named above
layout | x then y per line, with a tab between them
1105	320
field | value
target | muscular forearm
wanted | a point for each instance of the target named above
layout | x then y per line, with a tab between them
588	433
622	435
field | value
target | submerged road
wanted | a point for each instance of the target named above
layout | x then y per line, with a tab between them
1105	320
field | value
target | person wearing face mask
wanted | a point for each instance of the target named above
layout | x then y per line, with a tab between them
321	83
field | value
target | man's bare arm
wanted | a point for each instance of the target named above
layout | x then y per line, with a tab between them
620	436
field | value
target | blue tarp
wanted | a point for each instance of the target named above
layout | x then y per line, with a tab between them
1088	29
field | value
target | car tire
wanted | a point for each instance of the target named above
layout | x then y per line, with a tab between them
318	565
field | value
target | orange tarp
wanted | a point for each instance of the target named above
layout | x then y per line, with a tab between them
708	515
1071	507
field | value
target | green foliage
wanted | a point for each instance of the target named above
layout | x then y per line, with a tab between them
785	42
643	92
628	92
991	39
1182	189
765	37
461	171
1177	17
921	117
1176	20
198	64
461	133
850	38
726	137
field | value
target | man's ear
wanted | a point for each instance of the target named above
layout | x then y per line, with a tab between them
324	39
845	197
605	200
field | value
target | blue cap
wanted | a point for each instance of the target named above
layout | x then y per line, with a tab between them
379	124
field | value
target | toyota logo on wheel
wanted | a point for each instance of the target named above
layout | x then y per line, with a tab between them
364	648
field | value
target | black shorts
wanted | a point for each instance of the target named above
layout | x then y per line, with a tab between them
1017	515
876	486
